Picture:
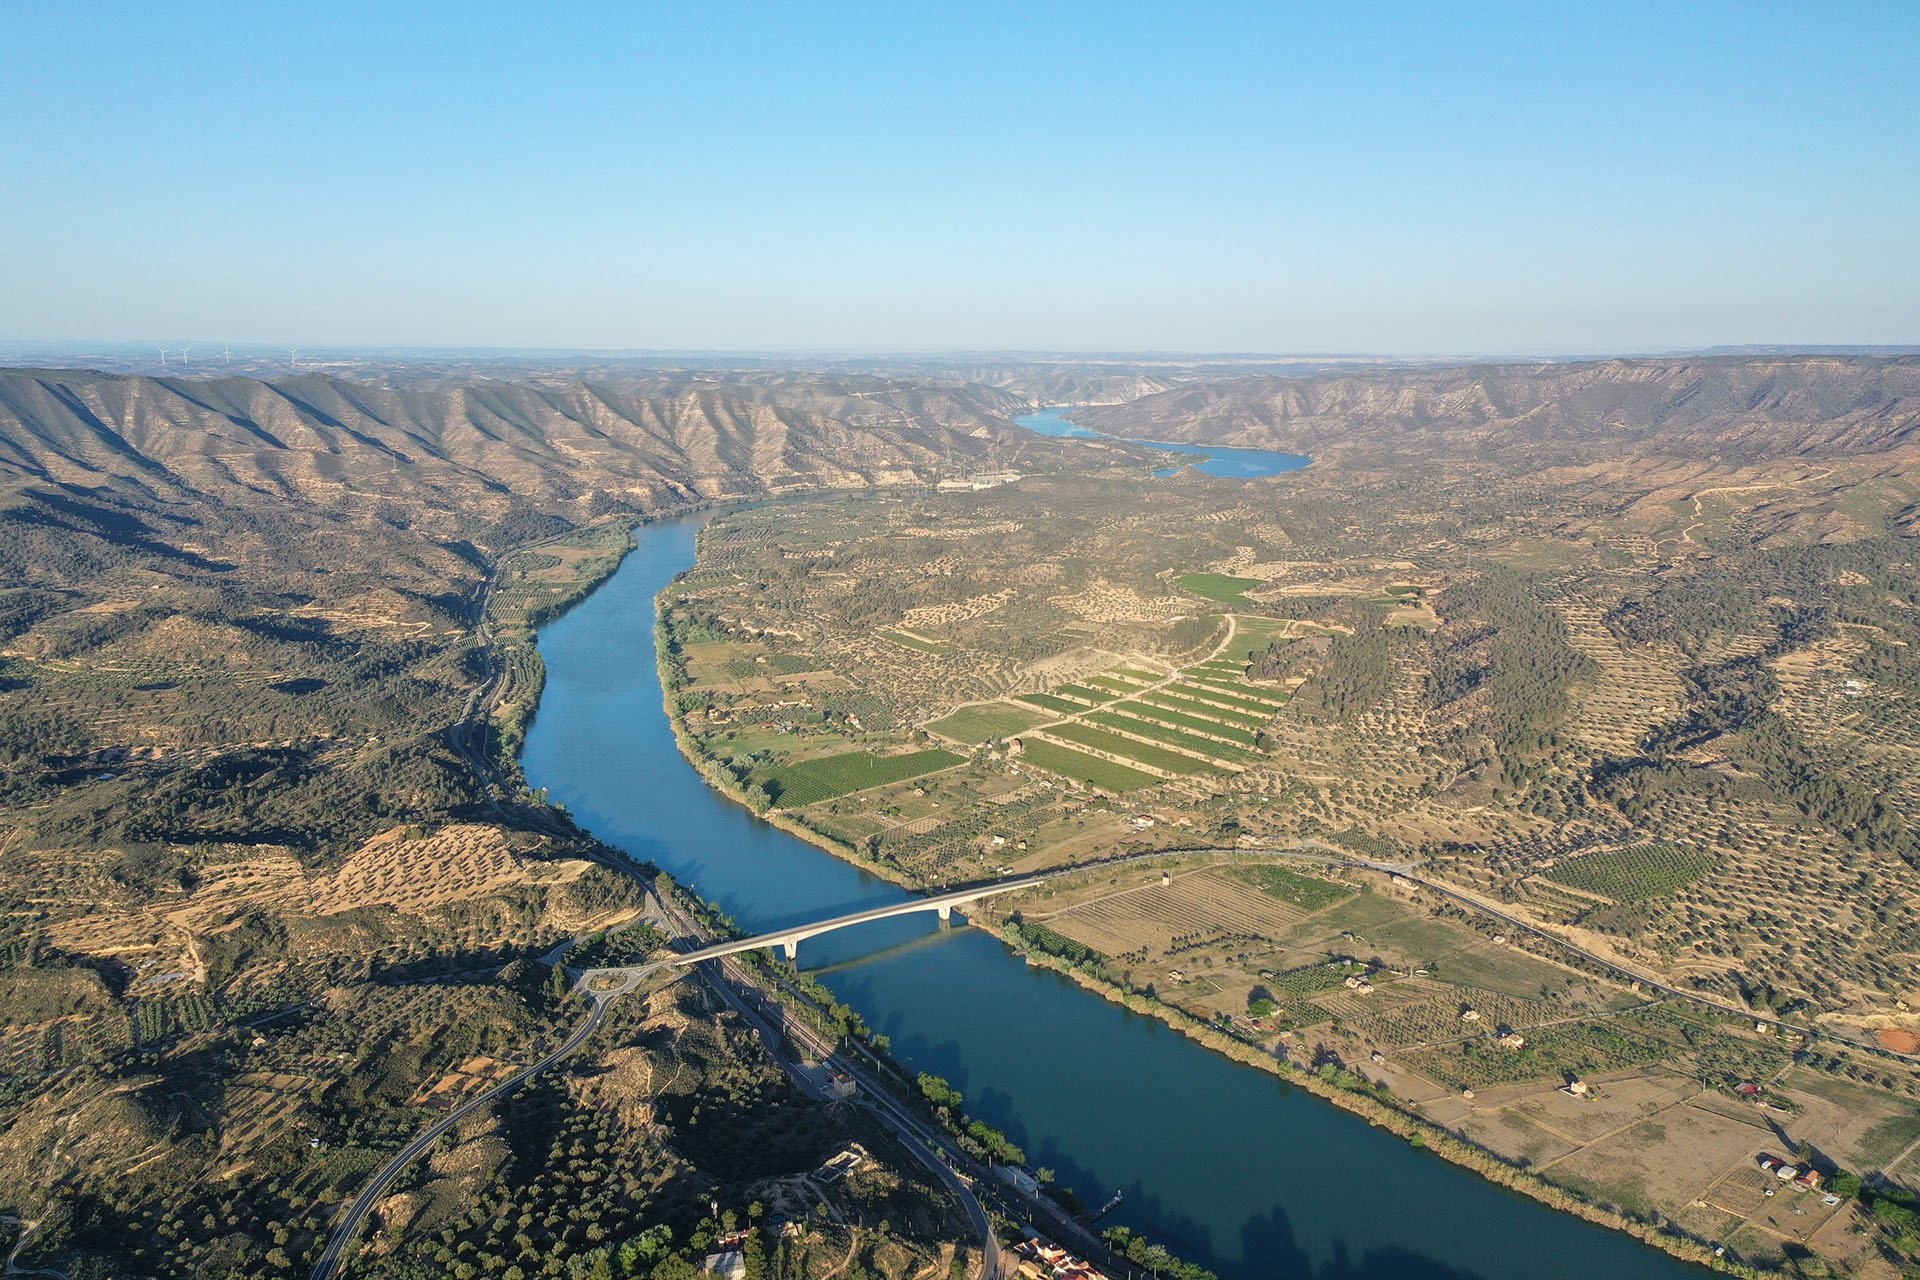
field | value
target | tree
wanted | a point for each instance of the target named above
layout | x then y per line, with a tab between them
674	1267
937	1091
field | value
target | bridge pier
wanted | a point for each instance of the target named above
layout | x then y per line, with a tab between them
946	912
792	948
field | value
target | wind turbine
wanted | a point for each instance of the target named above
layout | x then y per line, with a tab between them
163	357
293	356
183	354
226	353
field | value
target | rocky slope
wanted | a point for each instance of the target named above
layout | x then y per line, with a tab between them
577	450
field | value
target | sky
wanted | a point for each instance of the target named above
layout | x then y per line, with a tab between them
1536	178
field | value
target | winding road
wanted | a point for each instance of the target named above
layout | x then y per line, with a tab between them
347	1229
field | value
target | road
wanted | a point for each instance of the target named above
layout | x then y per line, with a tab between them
1326	855
792	937
1409	871
348	1227
465	735
915	1134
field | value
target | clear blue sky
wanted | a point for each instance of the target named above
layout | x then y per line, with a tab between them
1420	178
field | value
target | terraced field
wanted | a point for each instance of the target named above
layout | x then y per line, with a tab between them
1220	696
1083	693
1194	706
1153	757
1091	770
1193	744
1204	723
1181	719
1048	702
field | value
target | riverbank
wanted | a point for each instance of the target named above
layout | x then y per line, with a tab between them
1249	1180
1381	1112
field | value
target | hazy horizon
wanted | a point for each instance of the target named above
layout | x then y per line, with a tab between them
1409	183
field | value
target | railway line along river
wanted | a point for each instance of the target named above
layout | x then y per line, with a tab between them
1222	1163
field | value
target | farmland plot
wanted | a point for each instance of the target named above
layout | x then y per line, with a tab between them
1205	904
1635	874
1193	706
972	725
1188	742
824	777
1152	757
1091	770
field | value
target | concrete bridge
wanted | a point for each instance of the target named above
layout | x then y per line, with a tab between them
789	939
614	980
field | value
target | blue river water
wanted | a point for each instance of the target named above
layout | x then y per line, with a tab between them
1225	1164
1215	460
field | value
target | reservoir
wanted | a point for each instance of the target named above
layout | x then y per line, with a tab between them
1215	460
1222	1163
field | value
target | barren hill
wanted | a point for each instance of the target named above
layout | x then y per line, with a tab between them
577	450
1748	408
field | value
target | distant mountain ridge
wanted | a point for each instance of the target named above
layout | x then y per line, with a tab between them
576	450
1693	407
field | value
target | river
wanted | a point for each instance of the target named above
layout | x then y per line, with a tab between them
1215	460
1223	1163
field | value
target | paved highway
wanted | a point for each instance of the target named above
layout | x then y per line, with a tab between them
791	937
348	1227
925	1143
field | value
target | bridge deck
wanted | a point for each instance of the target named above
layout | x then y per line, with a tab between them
797	933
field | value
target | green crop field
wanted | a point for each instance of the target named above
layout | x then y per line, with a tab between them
973	725
1634	874
1207	693
1154	757
1309	893
1135	673
1253	636
1085	694
1047	702
811	781
1162	715
1116	684
1224	682
1193	706
1218	586
906	641
1092	770
1171	737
